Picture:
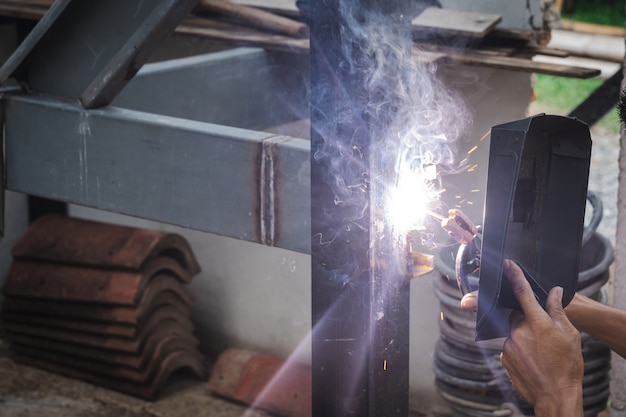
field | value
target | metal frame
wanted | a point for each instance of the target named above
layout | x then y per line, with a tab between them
226	180
93	67
360	301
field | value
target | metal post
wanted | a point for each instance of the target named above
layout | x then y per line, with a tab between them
360	298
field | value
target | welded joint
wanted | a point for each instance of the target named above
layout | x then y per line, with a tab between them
267	190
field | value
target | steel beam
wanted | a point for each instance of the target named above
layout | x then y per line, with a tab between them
234	182
90	50
359	299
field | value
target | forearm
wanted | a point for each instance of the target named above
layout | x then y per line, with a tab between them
602	322
561	404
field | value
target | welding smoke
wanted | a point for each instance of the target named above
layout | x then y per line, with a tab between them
419	120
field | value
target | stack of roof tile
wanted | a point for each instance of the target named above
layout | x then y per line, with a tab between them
103	303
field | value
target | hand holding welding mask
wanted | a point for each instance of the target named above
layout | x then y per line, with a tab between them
543	355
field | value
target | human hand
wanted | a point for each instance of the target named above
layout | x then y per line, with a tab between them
543	355
470	301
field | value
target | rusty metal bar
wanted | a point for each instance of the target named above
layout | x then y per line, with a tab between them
359	301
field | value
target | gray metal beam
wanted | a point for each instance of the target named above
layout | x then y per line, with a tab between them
91	49
234	182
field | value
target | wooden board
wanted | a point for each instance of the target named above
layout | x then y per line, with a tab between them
523	65
456	21
46	3
241	36
31	12
286	7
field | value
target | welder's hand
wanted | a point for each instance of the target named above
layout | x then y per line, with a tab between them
470	301
543	354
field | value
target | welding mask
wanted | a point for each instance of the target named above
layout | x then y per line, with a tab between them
534	213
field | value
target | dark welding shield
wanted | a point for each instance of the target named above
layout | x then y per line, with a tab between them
534	213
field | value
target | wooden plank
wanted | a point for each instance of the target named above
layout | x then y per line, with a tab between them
526	51
256	18
522	64
455	21
22	12
46	3
244	36
241	36
592	28
284	7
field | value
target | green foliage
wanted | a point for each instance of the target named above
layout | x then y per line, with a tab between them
602	12
562	92
561	95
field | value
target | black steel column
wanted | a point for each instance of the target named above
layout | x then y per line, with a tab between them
360	299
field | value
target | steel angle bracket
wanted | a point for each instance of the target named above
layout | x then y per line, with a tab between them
534	213
89	50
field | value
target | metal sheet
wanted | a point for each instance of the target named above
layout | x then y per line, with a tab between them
191	174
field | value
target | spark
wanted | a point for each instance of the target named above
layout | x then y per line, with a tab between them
476	190
472	150
435	215
472	168
385	365
487	133
441	315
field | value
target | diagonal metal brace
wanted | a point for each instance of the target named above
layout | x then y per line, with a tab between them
90	50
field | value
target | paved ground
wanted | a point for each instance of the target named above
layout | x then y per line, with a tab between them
30	392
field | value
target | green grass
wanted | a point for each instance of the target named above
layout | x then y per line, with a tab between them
563	92
602	12
562	95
